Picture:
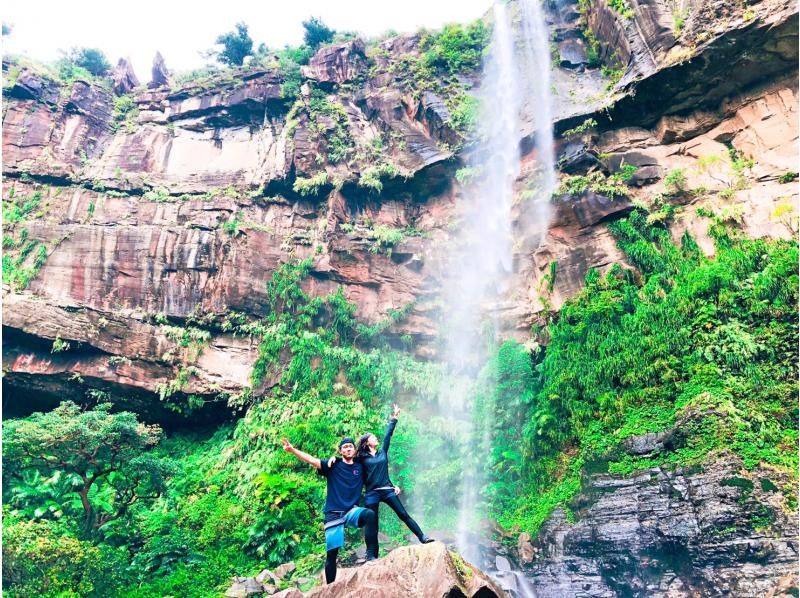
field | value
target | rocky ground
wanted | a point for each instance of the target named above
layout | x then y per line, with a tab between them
419	571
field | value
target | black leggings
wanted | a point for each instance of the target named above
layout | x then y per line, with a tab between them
369	521
391	499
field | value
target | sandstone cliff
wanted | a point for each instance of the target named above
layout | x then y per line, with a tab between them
183	205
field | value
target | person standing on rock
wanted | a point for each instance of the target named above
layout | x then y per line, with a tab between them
376	477
345	478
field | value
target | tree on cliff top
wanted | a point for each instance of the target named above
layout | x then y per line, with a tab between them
91	59
236	46
316	33
104	453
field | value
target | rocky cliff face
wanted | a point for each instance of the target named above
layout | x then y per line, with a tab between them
183	204
716	531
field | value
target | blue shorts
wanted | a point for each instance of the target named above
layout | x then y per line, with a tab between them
334	535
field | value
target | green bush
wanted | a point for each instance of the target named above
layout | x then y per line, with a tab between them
42	558
456	47
465	113
371	177
316	33
711	341
675	181
311	185
125	113
610	186
80	62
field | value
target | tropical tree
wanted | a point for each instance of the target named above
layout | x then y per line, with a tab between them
236	46
316	33
106	454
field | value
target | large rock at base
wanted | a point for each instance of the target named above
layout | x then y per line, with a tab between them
420	571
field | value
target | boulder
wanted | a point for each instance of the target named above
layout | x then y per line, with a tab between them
242	587
337	64
283	570
419	571
266	577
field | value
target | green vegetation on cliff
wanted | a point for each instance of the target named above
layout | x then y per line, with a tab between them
234	502
704	346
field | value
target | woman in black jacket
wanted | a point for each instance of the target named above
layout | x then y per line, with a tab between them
376	477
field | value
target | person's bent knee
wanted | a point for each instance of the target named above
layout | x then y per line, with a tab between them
367	517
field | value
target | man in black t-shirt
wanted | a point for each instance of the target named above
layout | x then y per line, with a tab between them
345	478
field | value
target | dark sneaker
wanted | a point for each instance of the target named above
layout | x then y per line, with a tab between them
426	539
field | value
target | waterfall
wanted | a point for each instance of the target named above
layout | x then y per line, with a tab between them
537	57
485	259
516	80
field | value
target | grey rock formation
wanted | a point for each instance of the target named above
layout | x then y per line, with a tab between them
719	531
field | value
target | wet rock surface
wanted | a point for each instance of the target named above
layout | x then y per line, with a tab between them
716	531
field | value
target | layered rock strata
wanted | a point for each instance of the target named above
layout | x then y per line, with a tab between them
184	205
715	531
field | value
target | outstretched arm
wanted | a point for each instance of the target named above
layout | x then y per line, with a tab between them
390	429
313	461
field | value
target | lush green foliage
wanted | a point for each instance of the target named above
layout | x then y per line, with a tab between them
316	33
23	257
310	185
622	7
465	113
290	59
105	457
707	342
371	177
236	46
125	113
44	558
610	186
88	60
456	47
328	120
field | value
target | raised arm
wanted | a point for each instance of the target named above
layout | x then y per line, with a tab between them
313	461
387	438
